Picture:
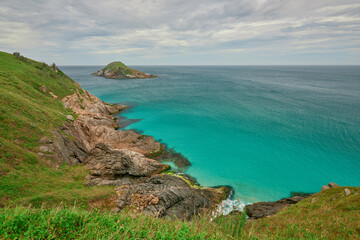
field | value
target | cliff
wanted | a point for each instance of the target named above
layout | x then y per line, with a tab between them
118	70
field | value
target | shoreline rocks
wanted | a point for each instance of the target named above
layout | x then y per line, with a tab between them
265	209
122	159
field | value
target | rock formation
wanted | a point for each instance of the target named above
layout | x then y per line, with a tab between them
112	166
166	195
264	209
96	125
121	158
141	188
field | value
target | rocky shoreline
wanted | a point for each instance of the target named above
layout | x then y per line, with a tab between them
127	160
132	163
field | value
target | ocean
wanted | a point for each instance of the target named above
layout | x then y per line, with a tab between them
266	131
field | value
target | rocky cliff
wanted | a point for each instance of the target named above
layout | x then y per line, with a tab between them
118	70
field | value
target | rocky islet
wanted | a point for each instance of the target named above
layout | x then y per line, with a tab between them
118	70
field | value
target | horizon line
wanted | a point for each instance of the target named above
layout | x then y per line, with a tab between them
189	65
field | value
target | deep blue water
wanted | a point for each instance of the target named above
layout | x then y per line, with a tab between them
265	130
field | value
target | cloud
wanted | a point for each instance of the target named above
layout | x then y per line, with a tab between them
118	51
135	28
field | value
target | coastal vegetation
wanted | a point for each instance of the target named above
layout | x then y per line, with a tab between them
40	201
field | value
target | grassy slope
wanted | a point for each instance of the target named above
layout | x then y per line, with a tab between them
27	114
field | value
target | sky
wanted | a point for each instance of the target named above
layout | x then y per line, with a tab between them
183	32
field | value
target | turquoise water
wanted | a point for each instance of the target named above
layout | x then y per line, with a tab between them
264	130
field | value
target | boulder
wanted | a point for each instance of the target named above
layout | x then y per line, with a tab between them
330	185
347	192
70	117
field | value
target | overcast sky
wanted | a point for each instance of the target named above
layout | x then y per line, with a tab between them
182	32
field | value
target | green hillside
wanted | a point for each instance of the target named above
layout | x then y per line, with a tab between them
26	114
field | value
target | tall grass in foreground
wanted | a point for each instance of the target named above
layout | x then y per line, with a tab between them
76	223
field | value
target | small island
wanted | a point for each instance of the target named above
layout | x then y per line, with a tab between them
118	70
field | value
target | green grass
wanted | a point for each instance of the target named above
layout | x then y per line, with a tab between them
75	223
37	185
27	113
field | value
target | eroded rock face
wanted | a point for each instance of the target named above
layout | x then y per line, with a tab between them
65	147
264	209
86	103
166	196
96	125
112	166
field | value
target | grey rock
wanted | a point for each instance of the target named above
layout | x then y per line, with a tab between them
142	189
45	148
264	209
45	140
66	146
164	196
